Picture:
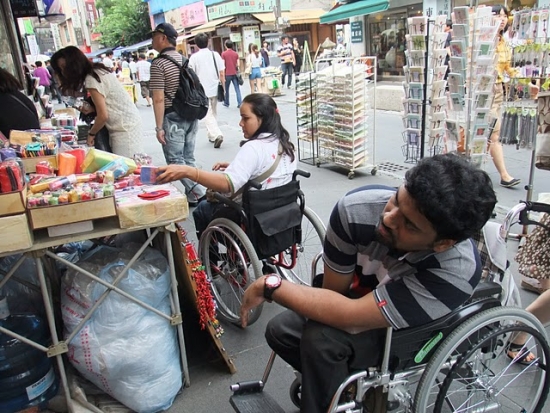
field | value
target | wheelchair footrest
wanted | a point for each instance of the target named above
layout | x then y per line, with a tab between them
254	403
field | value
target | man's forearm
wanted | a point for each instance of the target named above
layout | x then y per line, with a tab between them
158	108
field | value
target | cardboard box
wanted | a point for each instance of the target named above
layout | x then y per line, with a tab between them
68	229
30	163
134	212
44	217
13	203
67	111
16	234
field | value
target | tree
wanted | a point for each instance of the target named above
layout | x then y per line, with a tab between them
123	23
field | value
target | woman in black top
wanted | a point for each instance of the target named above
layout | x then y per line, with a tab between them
17	111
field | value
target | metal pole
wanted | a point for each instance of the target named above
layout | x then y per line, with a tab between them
425	97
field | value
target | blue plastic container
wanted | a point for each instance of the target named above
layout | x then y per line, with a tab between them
27	376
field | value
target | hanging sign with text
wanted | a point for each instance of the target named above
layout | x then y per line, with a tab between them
356	32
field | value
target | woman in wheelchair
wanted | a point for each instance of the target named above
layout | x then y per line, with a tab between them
411	247
266	150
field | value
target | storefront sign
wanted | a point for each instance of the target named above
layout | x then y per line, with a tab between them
193	14
232	8
356	32
235	37
23	8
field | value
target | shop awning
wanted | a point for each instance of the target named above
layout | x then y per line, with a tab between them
357	8
211	25
293	16
137	46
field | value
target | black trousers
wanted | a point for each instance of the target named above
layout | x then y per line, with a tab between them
324	355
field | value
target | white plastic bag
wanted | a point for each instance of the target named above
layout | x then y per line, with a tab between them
126	350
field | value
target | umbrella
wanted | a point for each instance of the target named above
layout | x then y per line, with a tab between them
328	44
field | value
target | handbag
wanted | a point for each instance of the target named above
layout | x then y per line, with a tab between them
221	89
240	79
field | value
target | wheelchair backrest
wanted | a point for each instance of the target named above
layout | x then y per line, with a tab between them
411	347
274	217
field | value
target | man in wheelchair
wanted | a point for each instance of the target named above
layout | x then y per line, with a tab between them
392	258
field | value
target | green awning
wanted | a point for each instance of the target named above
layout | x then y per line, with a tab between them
357	8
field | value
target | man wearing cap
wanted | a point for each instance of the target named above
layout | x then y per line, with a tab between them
176	135
210	68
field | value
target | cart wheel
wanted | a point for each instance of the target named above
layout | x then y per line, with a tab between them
373	171
296	392
351	175
318	164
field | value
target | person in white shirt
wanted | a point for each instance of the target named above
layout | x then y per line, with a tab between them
204	64
133	69
108	61
143	75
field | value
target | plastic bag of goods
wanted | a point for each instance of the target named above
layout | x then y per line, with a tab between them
129	352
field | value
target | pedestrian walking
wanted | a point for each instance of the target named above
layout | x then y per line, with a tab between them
143	76
286	53
210	69
44	75
231	61
56	94
298	56
176	135
255	62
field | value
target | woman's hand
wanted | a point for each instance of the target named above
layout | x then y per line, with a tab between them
170	173
220	166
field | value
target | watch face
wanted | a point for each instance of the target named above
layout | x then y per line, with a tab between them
272	281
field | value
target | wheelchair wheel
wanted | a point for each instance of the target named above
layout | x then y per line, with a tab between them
231	264
296	392
471	372
313	235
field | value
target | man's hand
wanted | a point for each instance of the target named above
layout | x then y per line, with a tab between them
90	140
220	166
161	137
170	173
253	297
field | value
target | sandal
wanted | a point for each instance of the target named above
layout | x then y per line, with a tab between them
526	285
519	354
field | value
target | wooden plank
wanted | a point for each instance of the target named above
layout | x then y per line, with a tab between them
186	277
30	163
66	214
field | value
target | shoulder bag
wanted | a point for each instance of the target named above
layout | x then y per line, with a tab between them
221	90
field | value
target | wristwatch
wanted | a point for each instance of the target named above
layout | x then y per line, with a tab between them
271	283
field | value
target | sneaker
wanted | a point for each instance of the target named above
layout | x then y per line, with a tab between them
511	183
218	142
226	105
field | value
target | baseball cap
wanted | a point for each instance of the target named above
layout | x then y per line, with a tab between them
167	29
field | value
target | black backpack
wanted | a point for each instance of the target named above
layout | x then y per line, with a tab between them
190	102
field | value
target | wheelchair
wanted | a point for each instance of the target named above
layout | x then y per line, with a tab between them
458	363
271	231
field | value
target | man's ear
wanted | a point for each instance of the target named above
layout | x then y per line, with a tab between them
443	245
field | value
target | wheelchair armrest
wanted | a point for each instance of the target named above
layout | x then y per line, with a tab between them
297	172
254	184
486	289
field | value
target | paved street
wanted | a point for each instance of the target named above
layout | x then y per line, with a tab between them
210	380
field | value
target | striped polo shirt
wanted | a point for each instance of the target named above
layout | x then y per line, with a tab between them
165	75
411	288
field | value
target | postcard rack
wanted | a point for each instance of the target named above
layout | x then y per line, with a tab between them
306	117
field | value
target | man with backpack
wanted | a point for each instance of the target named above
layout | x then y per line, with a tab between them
176	129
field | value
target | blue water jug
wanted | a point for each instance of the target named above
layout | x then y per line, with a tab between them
27	376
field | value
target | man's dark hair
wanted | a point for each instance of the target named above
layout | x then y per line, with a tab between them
449	23
284	36
229	44
265	108
201	40
142	56
38	63
8	82
455	196
109	53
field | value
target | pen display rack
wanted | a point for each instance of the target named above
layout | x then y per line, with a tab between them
345	120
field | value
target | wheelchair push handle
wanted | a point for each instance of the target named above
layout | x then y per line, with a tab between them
297	172
522	210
